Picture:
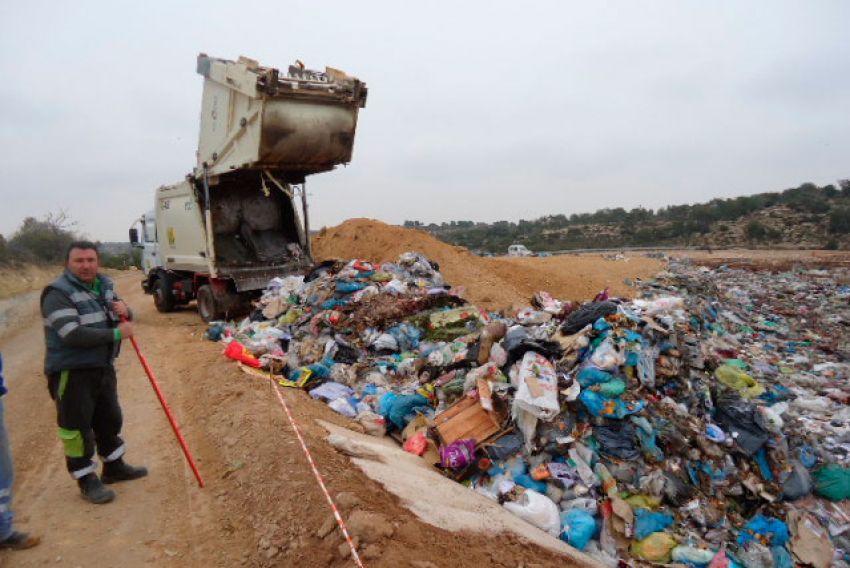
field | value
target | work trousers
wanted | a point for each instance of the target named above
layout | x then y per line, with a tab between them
88	415
7	479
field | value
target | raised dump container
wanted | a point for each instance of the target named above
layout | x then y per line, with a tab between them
225	230
252	117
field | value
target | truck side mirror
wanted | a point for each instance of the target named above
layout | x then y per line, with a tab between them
134	236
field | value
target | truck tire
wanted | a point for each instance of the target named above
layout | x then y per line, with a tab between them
163	298
208	307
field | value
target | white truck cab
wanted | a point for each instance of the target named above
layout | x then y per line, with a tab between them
143	236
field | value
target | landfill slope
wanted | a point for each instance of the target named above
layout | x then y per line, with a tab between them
492	283
690	424
261	505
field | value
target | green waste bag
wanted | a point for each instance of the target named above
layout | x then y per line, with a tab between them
833	482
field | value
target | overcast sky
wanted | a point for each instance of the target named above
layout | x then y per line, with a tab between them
477	110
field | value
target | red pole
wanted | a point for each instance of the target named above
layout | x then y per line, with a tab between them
167	410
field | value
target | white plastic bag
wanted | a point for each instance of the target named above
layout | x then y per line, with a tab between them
537	387
344	407
606	356
537	509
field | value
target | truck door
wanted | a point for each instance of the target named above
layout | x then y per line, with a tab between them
150	249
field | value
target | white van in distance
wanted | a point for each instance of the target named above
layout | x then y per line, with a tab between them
519	250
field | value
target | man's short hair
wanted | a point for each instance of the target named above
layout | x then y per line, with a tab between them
84	245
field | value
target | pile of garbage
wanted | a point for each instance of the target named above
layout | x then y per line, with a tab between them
704	423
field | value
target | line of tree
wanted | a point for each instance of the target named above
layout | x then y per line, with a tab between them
641	226
45	240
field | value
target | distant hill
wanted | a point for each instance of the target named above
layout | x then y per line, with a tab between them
807	216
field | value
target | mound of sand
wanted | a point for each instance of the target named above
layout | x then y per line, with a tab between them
492	283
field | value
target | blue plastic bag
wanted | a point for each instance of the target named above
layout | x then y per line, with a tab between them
526	481
344	287
774	529
781	557
577	528
598	405
647	522
406	335
646	436
590	376
399	408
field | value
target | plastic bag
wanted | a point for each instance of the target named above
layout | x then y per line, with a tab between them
342	406
761	529
736	379
458	454
647	437
238	352
798	482
374	424
397	407
416	444
646	366
833	482
692	555
538	510
740	420
617	439
578	527
498	355
647	522
586	315
661	304
537	392
331	391
529	482
611	389
406	335
505	446
755	555
591	375
586	504
657	547
781	557
530	316
598	405
385	342
606	356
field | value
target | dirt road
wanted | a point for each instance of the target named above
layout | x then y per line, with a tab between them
261	506
152	521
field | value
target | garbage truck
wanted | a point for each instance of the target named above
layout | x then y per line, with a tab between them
240	217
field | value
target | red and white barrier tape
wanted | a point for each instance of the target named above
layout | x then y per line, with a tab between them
319	478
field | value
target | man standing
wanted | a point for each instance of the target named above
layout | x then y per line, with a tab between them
84	323
9	538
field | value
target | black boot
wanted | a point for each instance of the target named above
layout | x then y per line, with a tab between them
93	490
118	470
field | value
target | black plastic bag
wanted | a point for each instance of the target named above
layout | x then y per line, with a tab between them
586	315
741	421
617	440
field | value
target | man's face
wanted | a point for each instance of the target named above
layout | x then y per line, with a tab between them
83	264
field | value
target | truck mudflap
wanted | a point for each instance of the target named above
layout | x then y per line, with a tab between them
250	279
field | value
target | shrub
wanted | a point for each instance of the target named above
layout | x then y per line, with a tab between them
755	231
43	240
839	221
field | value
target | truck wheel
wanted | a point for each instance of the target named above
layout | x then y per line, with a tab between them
162	296
207	305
